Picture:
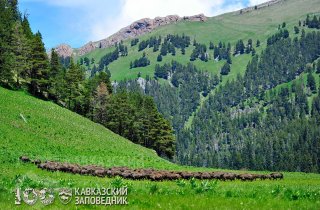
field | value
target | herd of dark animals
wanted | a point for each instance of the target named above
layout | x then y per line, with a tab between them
150	174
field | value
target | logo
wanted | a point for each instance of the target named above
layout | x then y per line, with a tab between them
17	197
65	195
30	196
46	196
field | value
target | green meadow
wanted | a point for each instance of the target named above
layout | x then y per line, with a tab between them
50	132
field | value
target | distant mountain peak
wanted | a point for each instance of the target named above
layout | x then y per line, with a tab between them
143	26
134	30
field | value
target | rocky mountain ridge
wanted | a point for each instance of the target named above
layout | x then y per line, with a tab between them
134	30
143	26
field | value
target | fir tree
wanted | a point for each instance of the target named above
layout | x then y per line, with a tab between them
311	83
20	52
258	43
73	86
100	103
318	67
225	69
40	68
6	59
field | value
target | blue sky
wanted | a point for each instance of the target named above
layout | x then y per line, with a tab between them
76	22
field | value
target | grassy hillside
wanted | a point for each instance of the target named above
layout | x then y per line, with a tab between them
231	27
60	134
54	133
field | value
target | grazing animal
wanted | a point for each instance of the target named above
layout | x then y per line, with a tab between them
245	177
100	173
36	162
24	159
229	176
151	174
205	175
276	175
217	175
186	175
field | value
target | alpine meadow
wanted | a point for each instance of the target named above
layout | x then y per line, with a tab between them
175	112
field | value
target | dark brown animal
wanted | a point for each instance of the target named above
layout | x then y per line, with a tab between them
217	175
276	175
137	176
151	174
229	176
156	176
100	172
205	175
36	162
186	175
24	159
197	175
245	177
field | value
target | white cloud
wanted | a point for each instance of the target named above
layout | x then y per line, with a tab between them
102	24
132	10
256	2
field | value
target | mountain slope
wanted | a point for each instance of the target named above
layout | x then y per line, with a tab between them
256	24
51	132
54	133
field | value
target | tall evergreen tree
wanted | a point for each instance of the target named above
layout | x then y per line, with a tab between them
311	83
6	59
56	76
100	103
73	92
318	67
225	69
20	52
40	68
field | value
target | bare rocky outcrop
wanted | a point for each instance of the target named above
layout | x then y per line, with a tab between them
64	50
143	26
87	48
134	30
260	6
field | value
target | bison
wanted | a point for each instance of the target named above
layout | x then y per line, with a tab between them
276	176
24	159
229	176
245	177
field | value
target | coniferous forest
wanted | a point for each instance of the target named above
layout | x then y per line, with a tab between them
249	122
248	118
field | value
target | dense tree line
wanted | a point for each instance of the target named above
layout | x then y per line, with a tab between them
152	42
179	42
313	22
282	34
221	52
247	124
180	99
23	59
141	62
200	51
167	47
136	117
240	47
134	42
123	50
